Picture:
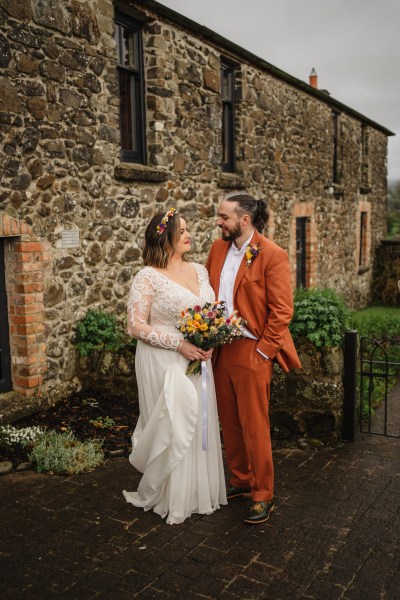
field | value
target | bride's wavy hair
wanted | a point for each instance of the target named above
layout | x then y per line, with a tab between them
156	246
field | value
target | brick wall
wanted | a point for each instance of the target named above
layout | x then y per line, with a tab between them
26	260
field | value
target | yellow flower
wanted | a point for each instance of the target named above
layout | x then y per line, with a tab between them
213	329
197	317
203	327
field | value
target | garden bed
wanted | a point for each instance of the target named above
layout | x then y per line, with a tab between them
88	417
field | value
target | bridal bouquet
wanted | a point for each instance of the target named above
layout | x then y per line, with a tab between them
206	327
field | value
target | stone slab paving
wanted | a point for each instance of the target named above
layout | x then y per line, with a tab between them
334	536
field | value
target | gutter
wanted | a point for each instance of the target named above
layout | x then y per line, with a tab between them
221	42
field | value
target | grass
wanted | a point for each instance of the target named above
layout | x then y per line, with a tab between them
376	311
377	321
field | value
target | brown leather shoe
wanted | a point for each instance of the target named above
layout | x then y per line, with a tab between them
260	512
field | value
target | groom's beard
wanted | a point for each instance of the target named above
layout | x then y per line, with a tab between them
231	236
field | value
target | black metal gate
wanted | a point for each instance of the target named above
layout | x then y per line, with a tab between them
372	386
5	359
379	388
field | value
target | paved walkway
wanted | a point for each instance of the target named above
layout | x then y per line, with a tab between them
335	535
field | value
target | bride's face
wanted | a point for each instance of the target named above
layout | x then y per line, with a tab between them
183	243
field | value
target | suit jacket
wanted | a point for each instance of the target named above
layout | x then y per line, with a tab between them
262	296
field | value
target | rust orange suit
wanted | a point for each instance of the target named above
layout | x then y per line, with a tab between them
263	297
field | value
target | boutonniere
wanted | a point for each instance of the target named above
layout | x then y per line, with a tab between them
252	251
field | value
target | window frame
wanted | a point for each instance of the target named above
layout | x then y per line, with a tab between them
134	115
362	253
364	155
228	127
335	137
302	257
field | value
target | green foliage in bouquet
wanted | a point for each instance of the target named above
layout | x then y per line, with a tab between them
320	315
99	330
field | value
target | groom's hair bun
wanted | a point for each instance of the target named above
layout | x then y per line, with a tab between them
256	209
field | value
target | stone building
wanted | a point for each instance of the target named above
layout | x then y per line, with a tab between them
111	110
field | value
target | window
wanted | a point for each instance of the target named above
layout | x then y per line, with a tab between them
364	155
362	256
303	246
301	251
131	88
228	115
335	166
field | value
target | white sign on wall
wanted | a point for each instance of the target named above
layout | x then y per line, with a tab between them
70	238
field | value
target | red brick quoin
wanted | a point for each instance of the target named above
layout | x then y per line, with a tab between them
26	259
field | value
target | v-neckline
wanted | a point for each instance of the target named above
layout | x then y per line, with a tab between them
182	286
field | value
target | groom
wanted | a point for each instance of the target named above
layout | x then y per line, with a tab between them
252	275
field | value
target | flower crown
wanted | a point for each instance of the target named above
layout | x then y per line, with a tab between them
163	223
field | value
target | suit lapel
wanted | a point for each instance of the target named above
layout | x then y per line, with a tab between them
243	265
218	264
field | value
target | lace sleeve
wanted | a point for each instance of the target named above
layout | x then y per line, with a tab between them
140	300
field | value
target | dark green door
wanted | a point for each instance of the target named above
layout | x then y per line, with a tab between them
5	359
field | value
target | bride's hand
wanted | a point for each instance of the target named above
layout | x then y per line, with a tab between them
192	352
207	354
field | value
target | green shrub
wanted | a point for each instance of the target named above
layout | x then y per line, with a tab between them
62	454
102	422
99	330
319	315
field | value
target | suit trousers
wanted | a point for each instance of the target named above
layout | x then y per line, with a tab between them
242	380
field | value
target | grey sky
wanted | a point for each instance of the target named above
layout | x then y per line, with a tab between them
354	45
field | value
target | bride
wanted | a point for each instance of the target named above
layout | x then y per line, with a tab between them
176	442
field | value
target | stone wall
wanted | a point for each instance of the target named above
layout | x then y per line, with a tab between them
386	282
310	401
307	402
108	373
61	170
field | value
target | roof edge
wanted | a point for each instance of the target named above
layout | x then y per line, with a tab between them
237	50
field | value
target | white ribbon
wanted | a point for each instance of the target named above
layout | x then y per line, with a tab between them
204	417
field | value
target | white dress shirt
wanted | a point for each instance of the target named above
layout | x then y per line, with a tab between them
227	281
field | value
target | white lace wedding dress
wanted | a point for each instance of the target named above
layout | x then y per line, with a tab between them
176	418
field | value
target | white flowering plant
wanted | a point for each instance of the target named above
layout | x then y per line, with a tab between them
11	436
